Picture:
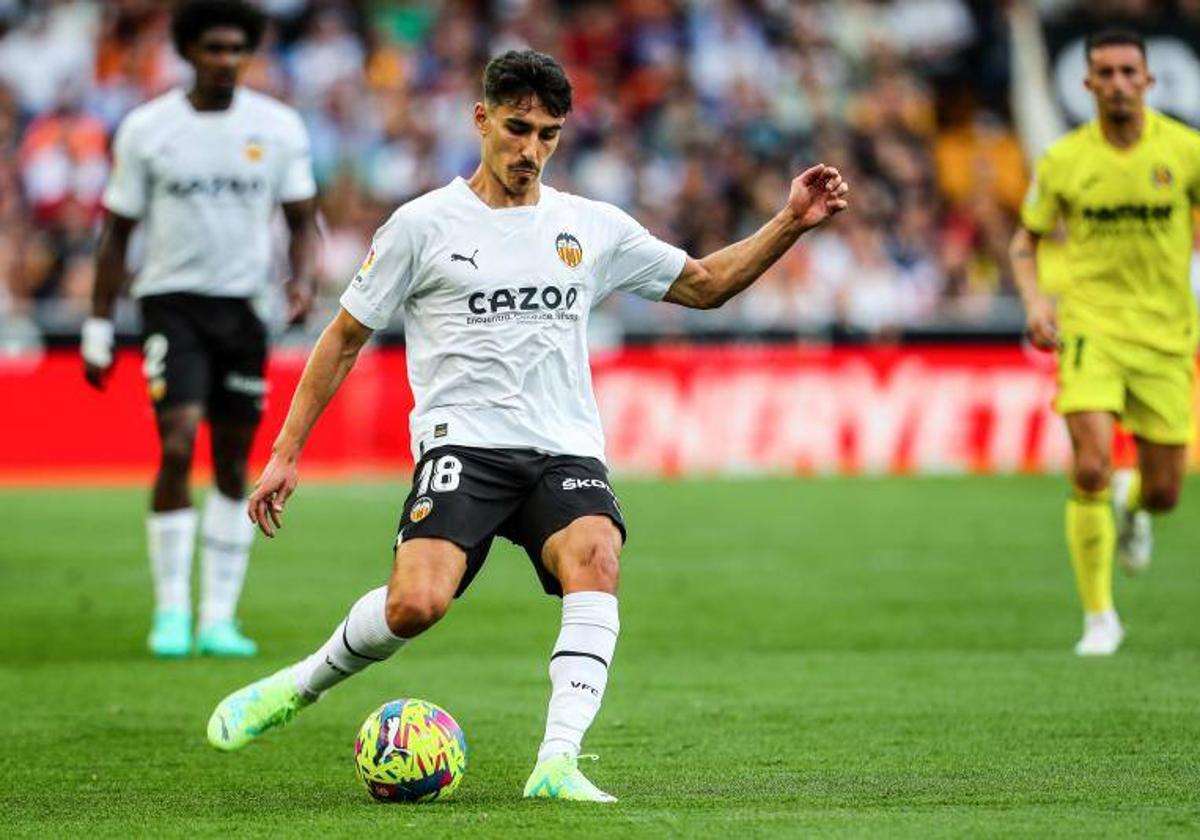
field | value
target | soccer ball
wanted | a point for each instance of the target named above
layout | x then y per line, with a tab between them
410	751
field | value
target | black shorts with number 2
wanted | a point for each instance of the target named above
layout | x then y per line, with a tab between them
469	495
206	350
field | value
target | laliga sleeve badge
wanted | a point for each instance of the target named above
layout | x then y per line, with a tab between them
420	509
360	278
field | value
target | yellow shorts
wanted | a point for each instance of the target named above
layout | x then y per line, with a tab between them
1150	391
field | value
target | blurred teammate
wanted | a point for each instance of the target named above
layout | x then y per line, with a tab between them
495	276
1124	327
204	171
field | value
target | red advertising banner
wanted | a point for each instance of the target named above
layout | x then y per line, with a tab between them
666	411
806	410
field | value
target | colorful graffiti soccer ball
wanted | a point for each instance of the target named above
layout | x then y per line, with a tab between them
410	751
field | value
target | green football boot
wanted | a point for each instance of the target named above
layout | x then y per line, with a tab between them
558	777
249	712
224	639
171	635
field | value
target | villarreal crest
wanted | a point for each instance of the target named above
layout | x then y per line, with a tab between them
569	249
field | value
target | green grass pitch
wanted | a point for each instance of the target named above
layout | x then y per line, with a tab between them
836	657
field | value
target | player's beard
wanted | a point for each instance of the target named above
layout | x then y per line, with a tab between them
1122	110
521	179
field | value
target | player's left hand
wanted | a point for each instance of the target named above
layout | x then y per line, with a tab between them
818	193
300	302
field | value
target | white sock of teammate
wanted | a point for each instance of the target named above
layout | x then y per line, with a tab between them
579	669
362	639
171	538
226	534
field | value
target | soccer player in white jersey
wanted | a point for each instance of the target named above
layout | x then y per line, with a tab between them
494	277
203	171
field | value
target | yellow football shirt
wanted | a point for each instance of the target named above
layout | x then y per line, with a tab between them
1128	215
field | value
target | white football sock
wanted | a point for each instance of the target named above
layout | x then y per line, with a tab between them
171	538
579	669
362	639
226	534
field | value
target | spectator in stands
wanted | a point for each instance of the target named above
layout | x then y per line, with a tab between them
684	111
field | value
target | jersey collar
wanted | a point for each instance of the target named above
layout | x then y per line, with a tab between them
508	212
1150	120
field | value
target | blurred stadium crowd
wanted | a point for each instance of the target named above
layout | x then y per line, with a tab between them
692	114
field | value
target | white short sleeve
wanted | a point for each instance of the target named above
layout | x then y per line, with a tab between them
382	282
296	181
128	190
638	262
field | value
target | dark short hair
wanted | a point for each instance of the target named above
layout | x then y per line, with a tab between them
193	18
518	75
1113	36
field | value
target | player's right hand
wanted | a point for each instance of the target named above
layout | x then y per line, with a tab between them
1041	324
96	346
276	484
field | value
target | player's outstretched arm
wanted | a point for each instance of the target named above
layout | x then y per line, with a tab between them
1040	321
331	359
817	194
96	342
302	258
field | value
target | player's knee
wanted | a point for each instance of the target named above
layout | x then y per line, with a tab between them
1092	473
592	559
1160	498
230	479
412	612
176	454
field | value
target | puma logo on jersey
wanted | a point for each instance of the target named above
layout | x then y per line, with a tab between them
470	259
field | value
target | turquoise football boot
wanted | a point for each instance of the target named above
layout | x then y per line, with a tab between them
249	712
224	639
171	634
558	777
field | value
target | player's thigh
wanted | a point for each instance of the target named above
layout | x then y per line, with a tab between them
1090	377
175	362
425	577
572	527
1161	407
237	341
463	495
1091	435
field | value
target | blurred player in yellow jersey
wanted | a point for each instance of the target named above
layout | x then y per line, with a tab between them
1124	326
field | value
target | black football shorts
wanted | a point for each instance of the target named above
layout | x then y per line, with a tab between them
206	350
470	495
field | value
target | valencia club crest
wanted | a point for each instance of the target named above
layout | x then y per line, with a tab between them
569	250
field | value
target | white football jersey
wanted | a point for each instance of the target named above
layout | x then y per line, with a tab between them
205	184
495	305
